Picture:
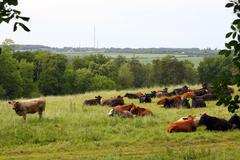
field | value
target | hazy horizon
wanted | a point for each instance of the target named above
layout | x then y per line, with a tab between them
123	24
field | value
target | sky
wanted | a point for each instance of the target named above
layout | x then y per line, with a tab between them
123	23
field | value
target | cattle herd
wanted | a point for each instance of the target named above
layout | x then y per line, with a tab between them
179	97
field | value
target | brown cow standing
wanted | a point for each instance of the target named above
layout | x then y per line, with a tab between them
22	107
187	125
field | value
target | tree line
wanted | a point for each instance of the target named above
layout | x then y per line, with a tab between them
31	74
172	51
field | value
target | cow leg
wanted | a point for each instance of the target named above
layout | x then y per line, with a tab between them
40	114
24	117
194	128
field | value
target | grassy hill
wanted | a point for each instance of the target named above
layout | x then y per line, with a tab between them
72	131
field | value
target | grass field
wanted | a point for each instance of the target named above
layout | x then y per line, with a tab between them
70	131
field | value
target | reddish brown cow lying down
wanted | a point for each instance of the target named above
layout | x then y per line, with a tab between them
138	111
122	111
183	125
22	107
189	94
195	119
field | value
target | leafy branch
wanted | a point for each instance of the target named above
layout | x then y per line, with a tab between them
232	50
8	13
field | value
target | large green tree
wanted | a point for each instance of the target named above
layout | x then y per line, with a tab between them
232	50
191	74
139	73
109	70
83	80
156	72
79	62
10	78
69	78
51	79
125	77
102	83
27	71
213	67
171	71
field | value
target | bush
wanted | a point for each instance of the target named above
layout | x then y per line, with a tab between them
83	80
213	67
102	83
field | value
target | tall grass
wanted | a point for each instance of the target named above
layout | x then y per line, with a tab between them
70	130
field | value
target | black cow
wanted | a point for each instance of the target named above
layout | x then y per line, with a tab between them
164	92
198	101
113	101
146	98
214	123
235	121
152	94
171	103
92	102
205	85
180	91
200	92
117	101
131	96
185	103
209	97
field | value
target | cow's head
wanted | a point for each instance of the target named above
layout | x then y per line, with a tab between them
206	91
126	95
14	104
165	89
119	97
235	119
98	97
132	105
154	93
204	119
185	88
134	110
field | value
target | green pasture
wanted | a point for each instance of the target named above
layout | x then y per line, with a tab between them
70	131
